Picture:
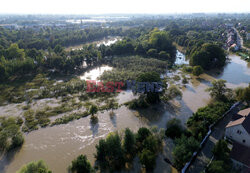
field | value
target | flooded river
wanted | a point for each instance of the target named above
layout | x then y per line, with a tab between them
59	145
106	41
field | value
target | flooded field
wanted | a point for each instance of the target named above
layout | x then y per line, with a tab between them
95	73
106	41
59	145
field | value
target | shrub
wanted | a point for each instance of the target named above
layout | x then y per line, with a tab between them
174	128
197	70
32	167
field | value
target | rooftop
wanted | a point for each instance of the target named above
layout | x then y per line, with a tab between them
243	118
241	153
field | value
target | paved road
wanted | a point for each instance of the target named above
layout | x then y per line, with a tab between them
205	154
241	39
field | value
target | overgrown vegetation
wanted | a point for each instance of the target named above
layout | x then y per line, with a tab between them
10	134
32	167
221	162
116	151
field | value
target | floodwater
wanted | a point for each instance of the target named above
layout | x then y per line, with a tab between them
109	41
59	145
106	41
95	73
180	58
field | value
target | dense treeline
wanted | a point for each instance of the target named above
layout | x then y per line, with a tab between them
15	60
115	151
155	44
51	36
202	39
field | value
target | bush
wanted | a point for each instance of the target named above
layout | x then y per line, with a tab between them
147	158
197	70
183	151
10	135
17	140
174	128
35	167
200	121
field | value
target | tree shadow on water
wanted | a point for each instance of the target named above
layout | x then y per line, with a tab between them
94	126
161	113
113	119
7	157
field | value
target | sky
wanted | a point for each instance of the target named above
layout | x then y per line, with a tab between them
122	6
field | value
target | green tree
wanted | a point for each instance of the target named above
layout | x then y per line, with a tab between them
142	134
171	93
208	56
110	154
35	167
129	142
147	158
221	150
161	41
152	97
93	109
243	94
151	143
152	52
174	128
197	70
217	166
13	52
10	135
58	49
81	165
218	90
183	151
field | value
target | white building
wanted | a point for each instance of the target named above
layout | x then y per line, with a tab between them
238	131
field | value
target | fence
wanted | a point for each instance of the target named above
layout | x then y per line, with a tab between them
188	164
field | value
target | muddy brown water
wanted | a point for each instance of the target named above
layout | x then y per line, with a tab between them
59	145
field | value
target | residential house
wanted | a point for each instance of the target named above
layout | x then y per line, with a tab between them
238	131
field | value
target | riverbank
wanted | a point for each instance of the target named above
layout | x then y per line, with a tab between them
67	141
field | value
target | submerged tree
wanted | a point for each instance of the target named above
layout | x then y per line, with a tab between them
243	94
219	90
81	165
152	96
208	56
112	104
147	158
129	142
93	110
110	154
197	70
32	167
